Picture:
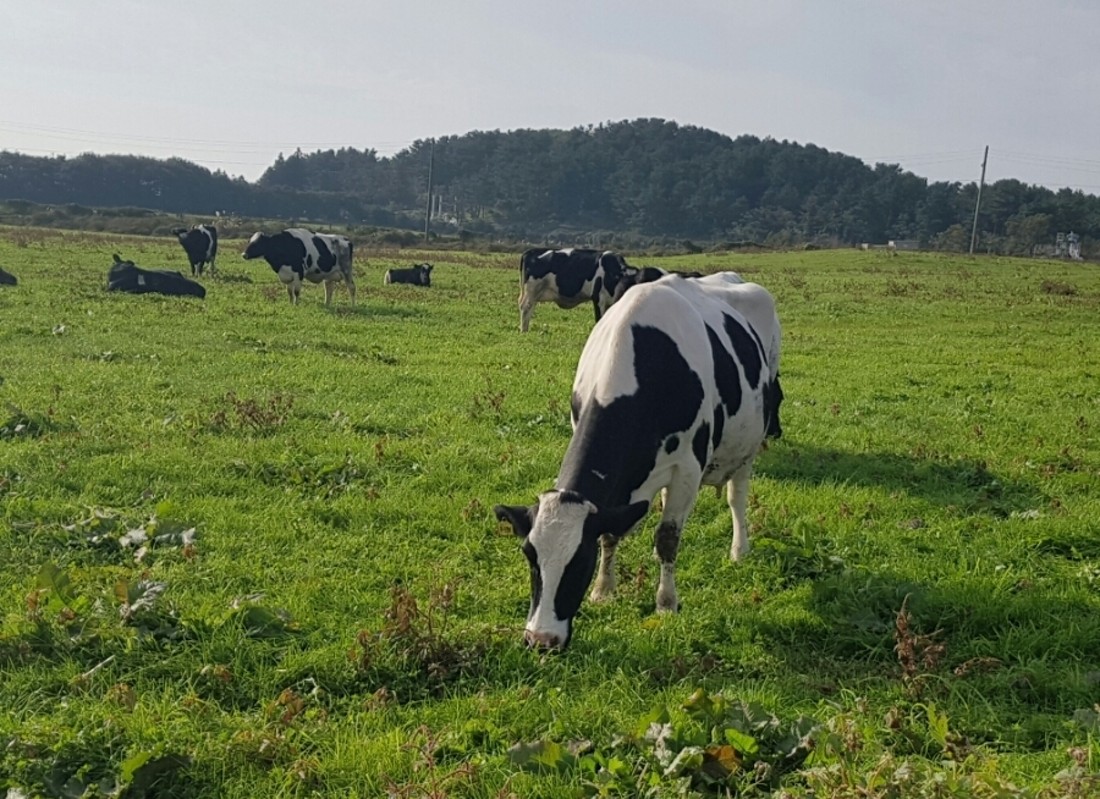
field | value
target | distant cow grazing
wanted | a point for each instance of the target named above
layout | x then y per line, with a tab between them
201	245
632	276
674	389
297	254
419	275
568	278
126	276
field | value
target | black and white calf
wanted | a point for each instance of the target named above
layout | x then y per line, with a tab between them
201	245
298	254
419	275
675	389
567	278
127	276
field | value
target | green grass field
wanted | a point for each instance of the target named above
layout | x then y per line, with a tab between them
324	604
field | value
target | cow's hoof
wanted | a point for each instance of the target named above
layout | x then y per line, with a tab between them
739	553
667	605
600	595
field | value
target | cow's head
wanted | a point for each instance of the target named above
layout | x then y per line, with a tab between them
560	537
257	247
181	232
426	274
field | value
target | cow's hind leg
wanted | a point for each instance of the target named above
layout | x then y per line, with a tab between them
526	308
351	285
604	588
679	499
330	287
737	495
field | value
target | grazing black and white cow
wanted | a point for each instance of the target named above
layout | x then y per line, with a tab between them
675	389
297	254
632	276
568	278
419	275
126	276
201	245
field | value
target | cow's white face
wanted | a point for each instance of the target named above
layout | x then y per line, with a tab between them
561	535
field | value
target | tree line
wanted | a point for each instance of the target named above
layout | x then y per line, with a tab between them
646	178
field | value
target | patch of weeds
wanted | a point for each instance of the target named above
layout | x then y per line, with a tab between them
713	746
105	529
415	652
319	478
24	424
806	555
487	401
248	415
918	654
1058	288
438	780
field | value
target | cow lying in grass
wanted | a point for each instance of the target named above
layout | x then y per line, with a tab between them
419	275
675	389
125	276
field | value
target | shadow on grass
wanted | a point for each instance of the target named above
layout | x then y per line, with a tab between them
363	311
963	482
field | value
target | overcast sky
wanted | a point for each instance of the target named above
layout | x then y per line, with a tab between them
230	84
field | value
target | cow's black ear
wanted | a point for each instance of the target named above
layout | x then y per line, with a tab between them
521	517
616	521
117	259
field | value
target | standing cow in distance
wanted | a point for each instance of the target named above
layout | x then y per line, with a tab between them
201	245
419	275
568	278
297	254
674	389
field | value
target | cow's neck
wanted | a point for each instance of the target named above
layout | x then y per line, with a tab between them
600	473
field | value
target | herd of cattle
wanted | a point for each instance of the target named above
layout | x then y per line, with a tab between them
677	387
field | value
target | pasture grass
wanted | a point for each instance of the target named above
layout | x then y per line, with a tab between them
330	608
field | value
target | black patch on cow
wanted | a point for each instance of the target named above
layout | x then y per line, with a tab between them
719	428
621	440
282	249
699	444
773	397
672	444
572	269
536	577
667	541
726	376
7	278
745	345
574	408
326	257
575	580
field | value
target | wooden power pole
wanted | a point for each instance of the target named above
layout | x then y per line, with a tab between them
978	203
428	207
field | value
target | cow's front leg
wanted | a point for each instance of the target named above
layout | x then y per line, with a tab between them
737	495
604	589
351	288
679	498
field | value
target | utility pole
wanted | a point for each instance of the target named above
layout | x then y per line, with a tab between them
977	203
428	208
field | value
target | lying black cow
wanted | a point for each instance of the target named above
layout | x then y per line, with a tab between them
125	276
7	278
201	245
419	275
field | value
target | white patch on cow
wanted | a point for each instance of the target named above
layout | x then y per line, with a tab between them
255	237
599	474
287	275
556	537
141	280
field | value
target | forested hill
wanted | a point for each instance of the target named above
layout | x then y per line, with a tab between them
646	177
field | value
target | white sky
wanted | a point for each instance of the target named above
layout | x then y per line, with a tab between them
231	83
